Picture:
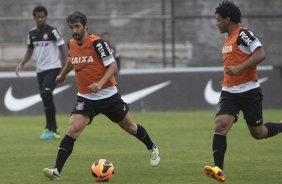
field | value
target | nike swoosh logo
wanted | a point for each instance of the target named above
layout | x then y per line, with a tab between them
120	22
137	95
18	104
212	96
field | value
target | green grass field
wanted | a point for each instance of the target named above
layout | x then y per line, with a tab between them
184	140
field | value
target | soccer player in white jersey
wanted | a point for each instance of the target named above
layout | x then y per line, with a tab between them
47	44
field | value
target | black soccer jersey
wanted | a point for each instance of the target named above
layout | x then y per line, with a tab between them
45	44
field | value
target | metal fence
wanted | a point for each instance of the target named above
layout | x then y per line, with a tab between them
147	34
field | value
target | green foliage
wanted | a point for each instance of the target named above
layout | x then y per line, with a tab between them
184	140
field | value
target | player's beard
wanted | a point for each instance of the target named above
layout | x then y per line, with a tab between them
78	36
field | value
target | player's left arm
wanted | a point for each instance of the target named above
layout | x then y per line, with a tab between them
257	57
253	45
104	52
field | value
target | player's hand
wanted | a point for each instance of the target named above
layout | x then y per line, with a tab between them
232	70
60	79
95	87
18	69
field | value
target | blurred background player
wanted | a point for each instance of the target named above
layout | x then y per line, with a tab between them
106	36
47	44
94	67
242	51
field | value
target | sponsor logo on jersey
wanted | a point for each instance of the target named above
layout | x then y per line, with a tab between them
82	59
40	44
227	49
101	50
245	38
108	48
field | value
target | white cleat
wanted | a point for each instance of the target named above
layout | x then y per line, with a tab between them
155	156
53	174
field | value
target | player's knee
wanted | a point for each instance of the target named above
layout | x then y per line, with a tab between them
258	136
132	129
221	127
259	132
129	127
74	131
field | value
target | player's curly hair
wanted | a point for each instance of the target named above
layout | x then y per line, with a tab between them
77	16
229	9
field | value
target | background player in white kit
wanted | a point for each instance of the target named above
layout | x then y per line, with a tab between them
46	42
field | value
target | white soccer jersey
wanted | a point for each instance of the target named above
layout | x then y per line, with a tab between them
45	44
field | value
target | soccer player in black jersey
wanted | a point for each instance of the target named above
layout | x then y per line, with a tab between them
47	45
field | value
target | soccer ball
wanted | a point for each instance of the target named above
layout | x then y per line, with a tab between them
102	170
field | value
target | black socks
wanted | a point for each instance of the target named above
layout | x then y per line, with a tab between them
143	136
64	152
273	128
219	148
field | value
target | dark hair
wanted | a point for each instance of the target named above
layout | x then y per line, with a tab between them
40	9
105	33
229	9
77	17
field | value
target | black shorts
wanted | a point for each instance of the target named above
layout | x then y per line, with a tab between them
250	102
113	107
47	80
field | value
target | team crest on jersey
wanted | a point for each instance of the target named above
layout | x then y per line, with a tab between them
101	50
246	38
80	106
45	36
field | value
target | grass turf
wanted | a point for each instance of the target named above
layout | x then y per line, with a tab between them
184	140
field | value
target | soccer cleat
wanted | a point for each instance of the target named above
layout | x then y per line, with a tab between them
215	173
56	135
154	156
53	174
47	135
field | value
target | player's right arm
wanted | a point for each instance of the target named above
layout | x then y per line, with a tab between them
24	60
62	76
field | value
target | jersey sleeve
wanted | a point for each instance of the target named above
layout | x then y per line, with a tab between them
59	40
104	52
29	42
68	45
248	40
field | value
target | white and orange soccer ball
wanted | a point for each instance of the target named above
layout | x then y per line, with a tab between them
102	170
